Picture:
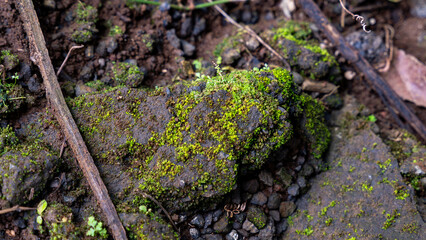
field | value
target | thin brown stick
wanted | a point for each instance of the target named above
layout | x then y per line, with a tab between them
40	55
342	16
146	195
378	84
16	208
253	34
66	58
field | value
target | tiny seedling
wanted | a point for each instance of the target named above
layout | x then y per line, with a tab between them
40	209
96	228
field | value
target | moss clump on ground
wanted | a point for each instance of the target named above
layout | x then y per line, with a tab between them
8	59
86	17
257	217
185	143
127	74
58	221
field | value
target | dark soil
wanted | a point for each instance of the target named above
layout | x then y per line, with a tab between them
163	63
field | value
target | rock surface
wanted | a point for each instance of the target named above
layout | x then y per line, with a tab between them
361	195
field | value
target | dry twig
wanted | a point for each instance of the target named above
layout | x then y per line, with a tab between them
16	208
146	195
253	34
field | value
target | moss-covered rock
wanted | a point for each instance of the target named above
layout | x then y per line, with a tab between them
294	41
184	143
126	74
296	44
24	167
147	226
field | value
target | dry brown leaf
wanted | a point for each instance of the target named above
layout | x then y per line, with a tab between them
407	77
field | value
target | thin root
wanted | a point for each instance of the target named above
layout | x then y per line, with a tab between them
66	58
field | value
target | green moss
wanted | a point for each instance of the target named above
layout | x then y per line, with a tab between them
217	135
116	31
126	74
390	219
82	36
8	59
86	13
300	33
228	43
58	220
315	127
86	18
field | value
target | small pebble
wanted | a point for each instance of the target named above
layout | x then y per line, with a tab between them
274	201
287	208
198	221
194	233
233	235
349	75
293	190
259	199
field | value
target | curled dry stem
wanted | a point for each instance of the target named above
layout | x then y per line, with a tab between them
357	18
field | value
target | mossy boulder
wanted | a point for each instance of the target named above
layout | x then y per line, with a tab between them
296	43
185	143
24	167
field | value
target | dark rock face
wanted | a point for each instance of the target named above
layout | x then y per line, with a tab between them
362	194
25	168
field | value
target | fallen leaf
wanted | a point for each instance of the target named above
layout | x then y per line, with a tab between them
407	77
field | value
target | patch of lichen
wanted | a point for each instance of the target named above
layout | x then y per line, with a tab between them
301	34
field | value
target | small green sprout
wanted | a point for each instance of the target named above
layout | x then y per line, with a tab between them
372	118
40	209
96	228
115	31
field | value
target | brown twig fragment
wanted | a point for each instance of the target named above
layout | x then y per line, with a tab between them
40	55
378	84
358	18
146	195
389	34
66	58
16	208
253	34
